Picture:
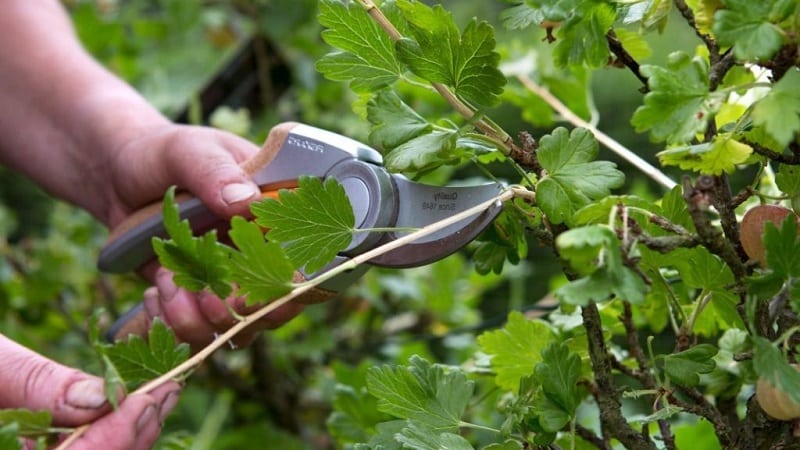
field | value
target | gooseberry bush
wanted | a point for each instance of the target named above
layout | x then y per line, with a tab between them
673	323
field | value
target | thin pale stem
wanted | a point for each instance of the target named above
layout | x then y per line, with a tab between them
449	96
301	289
625	153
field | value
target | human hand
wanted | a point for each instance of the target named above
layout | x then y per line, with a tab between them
205	162
28	380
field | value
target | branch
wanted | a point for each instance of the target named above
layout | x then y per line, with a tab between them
698	200
688	14
450	97
793	159
624	57
613	423
622	151
223	339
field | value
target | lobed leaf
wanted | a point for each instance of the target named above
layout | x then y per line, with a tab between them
750	27
558	374
782	246
313	222
684	367
196	262
679	104
437	52
722	155
25	422
137	361
419	437
262	270
393	122
430	395
582	37
515	349
573	178
779	111
367	56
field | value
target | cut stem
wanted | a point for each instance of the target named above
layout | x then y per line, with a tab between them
625	153
301	289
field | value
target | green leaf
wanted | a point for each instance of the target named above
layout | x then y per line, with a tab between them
573	178
701	269
313	222
261	269
367	56
771	366
437	52
28	423
423	152
582	246
684	367
113	383
509	444
420	437
779	111
355	415
599	211
749	27
558	374
788	180
393	122
515	349
521	16
679	104
782	246
9	437
197	262
138	361
602	285
721	155
431	395
582	38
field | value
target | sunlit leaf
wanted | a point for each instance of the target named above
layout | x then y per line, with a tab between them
432	395
515	349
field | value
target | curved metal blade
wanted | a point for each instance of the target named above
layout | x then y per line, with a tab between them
420	205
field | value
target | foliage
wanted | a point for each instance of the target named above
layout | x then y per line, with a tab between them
651	300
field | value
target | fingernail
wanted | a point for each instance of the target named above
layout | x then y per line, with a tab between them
151	302
238	192
145	417
166	286
86	394
166	406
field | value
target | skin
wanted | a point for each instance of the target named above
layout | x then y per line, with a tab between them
88	138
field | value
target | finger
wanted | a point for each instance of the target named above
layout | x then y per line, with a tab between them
135	425
179	309
32	381
208	165
197	318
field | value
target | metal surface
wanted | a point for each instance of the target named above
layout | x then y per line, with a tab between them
379	199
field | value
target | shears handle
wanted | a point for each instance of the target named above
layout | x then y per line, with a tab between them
129	245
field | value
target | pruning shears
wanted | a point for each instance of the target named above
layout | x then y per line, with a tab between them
379	199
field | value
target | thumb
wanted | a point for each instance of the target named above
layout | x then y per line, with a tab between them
212	172
29	380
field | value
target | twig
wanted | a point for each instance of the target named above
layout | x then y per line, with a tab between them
626	154
624	57
301	289
459	106
613	423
